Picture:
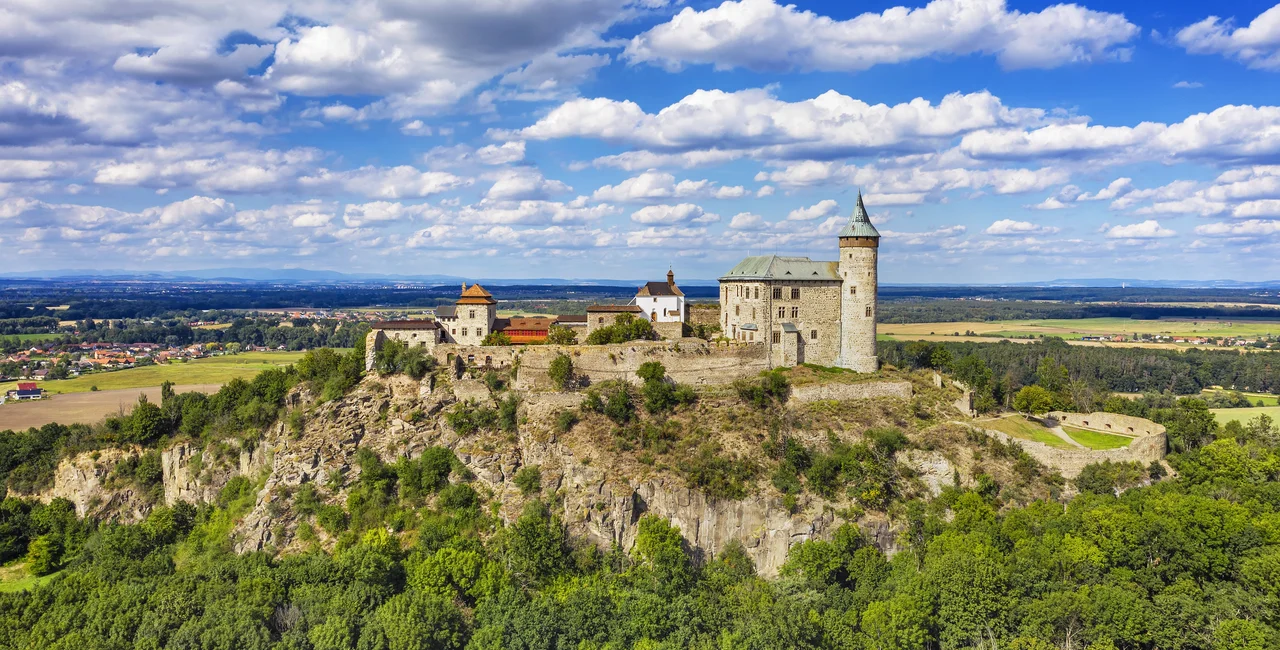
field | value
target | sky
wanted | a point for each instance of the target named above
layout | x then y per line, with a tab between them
993	141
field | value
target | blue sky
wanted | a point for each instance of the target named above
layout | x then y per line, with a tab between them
994	141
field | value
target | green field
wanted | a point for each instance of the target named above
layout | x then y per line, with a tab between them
1096	439
1244	415
213	370
32	338
1024	429
1076	328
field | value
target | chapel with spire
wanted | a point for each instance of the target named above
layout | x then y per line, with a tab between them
809	311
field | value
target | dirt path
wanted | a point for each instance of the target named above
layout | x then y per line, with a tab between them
83	408
1057	431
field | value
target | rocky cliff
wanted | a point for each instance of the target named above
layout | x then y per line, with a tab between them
600	493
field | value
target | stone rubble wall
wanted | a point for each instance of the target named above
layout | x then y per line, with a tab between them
1109	423
1070	462
861	390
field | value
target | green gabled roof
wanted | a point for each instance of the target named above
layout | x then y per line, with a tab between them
773	267
859	224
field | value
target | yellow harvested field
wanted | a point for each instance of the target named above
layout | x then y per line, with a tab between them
1073	329
82	408
212	370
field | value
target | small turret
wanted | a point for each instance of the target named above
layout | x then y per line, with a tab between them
859	253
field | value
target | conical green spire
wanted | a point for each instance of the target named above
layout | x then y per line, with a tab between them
859	224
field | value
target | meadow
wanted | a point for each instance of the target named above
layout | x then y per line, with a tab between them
1244	415
1024	429
1096	439
212	370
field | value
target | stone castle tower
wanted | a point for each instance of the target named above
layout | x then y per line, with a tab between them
859	250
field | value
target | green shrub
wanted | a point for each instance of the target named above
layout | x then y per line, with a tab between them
561	371
529	480
718	474
333	519
496	338
626	327
468	418
565	420
459	496
772	387
508	409
618	406
560	335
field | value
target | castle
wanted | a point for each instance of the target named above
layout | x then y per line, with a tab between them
806	311
798	310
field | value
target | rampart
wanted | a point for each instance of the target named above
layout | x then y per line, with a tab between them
1125	425
688	361
1148	443
860	390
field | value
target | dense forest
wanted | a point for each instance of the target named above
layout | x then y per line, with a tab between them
1129	370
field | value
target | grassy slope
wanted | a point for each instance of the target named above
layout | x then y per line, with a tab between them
1244	415
213	370
1267	400
1019	427
1096	439
15	578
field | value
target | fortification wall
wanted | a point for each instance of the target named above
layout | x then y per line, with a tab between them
1070	462
688	361
704	313
670	331
1109	423
860	390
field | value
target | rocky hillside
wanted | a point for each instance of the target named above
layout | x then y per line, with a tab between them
767	474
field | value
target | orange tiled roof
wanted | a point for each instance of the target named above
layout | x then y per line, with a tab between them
476	295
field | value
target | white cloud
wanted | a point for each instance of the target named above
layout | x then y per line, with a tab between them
1257	46
524	184
764	191
828	126
658	186
1259	208
1250	228
819	210
501	154
1009	227
381	213
1051	203
1187	85
1116	188
763	35
416	127
673	214
747	221
399	182
1149	229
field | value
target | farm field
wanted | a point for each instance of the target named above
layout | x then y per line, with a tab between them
213	370
1024	429
1076	328
1096	439
1244	415
32	338
83	408
1265	398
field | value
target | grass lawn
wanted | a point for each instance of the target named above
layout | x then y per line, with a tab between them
1022	428
1096	439
1244	415
32	338
15	578
213	370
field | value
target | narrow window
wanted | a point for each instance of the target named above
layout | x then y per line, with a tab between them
868	311
782	312
777	337
600	321
757	293
853	291
795	312
777	293
464	331
753	313
795	293
737	310
752	336
455	331
813	334
479	331
471	314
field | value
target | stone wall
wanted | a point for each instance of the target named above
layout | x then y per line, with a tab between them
860	390
1109	423
688	361
670	331
704	313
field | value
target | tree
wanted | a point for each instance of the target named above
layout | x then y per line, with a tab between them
529	480
412	621
536	547
496	338
561	335
1033	399
561	371
44	555
659	547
